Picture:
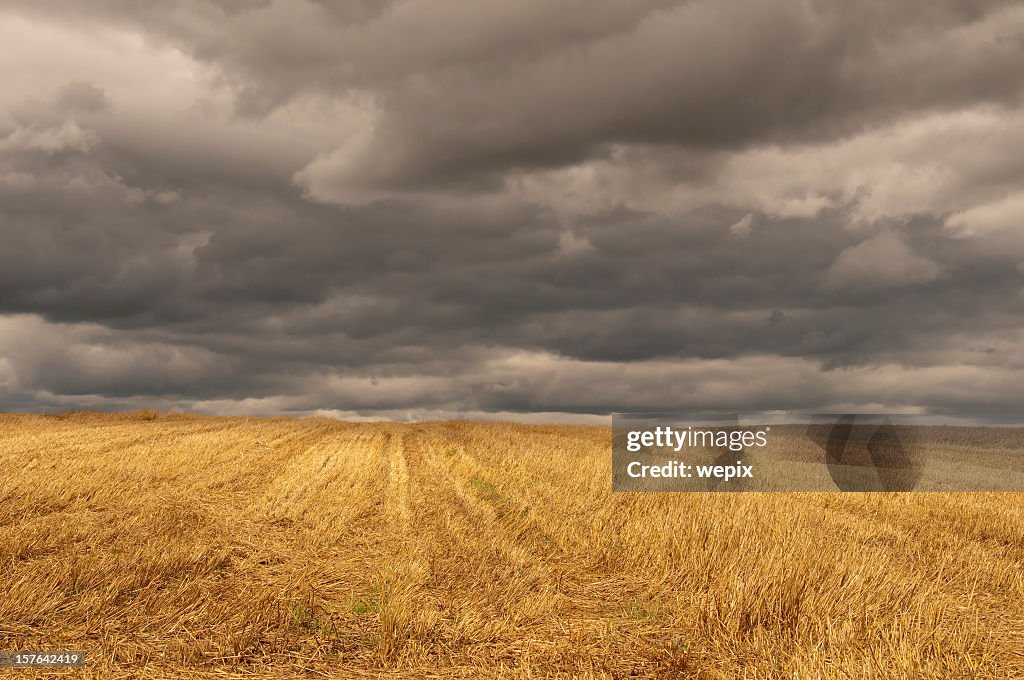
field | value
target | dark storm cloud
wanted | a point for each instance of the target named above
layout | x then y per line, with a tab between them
466	90
442	208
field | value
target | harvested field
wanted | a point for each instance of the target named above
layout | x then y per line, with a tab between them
182	546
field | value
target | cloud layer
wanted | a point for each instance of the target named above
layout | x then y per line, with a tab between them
413	209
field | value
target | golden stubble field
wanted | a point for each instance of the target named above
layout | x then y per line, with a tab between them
180	546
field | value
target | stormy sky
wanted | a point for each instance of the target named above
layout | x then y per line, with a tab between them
517	208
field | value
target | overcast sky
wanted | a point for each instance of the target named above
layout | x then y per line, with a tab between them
535	209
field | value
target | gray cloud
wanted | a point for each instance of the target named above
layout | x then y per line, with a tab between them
883	261
409	209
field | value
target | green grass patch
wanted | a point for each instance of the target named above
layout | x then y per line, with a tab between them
367	603
641	611
309	617
486	490
363	607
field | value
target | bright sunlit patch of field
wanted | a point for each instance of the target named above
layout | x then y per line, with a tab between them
179	546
